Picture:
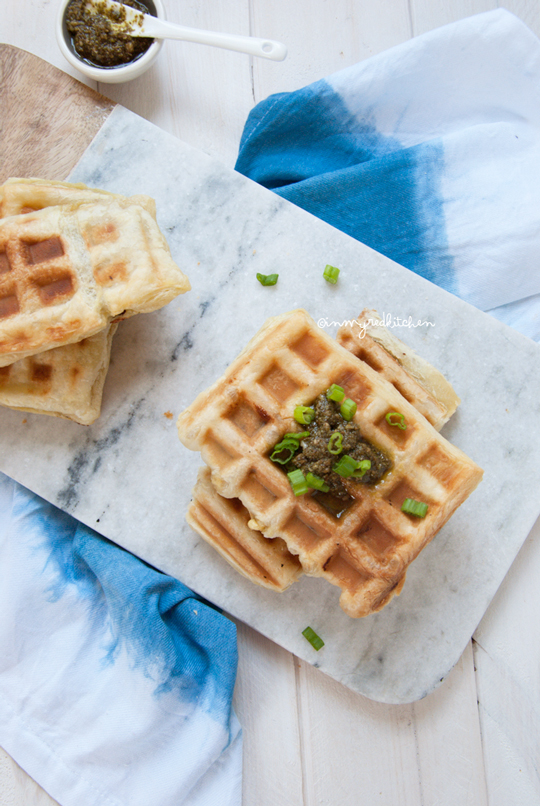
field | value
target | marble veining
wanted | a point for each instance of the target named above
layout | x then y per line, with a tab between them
129	477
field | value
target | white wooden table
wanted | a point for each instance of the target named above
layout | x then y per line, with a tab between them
308	740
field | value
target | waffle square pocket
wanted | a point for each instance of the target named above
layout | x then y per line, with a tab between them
361	541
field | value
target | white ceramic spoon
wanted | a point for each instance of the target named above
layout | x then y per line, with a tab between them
135	23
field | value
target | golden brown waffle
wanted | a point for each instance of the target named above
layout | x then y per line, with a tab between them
21	195
67	271
236	423
419	382
223	522
64	382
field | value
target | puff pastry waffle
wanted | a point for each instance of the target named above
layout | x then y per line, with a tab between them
67	271
64	382
236	423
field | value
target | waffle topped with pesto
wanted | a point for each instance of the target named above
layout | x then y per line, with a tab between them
253	424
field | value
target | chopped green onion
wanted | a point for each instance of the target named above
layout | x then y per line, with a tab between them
298	435
267	279
303	415
348	409
290	445
316	483
335	443
336	393
412	507
346	466
331	274
275	456
397	419
298	482
288	441
362	469
315	641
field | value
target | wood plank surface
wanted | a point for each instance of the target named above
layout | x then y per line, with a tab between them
507	660
307	740
48	119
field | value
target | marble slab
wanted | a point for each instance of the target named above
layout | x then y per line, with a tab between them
130	478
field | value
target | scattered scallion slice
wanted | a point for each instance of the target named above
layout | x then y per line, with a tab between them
286	441
412	507
298	435
346	466
397	419
298	482
362	469
335	392
304	415
315	640
267	279
331	274
348	409
335	443
316	483
290	445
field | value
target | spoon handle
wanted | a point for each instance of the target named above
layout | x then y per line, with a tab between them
264	48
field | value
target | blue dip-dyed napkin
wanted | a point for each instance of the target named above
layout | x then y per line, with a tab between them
429	153
115	680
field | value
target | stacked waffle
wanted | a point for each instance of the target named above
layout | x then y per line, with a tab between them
73	262
243	503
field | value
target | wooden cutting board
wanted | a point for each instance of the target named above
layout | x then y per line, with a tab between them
48	117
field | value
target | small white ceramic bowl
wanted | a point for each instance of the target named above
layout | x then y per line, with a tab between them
109	75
